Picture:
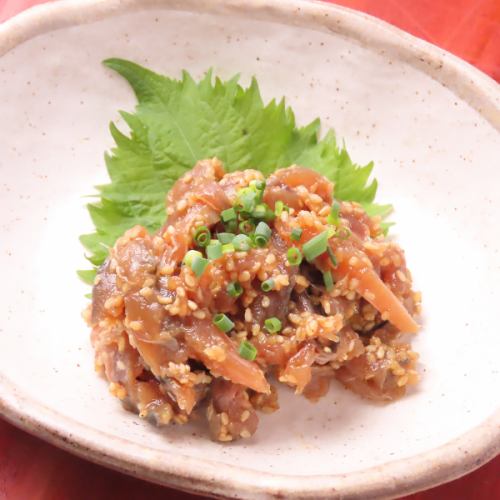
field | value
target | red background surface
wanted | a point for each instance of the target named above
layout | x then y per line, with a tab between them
31	469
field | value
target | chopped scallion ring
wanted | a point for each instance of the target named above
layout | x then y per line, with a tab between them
247	350
262	234
328	280
190	255
315	246
246	199
333	217
343	233
228	215
225	238
268	285
198	265
263	229
296	233
259	212
223	323
258	184
262	211
246	226
242	243
260	241
231	226
202	236
214	250
294	256
272	325
227	248
278	208
234	289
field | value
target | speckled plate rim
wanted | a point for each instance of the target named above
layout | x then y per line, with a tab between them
391	479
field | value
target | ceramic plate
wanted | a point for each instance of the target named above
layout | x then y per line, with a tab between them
428	120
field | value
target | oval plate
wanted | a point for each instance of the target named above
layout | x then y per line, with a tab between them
428	120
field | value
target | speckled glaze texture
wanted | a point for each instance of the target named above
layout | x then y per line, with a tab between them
429	121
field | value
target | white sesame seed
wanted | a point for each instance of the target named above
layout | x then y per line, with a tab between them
166	270
146	292
244	276
270	258
190	280
192	305
135	325
181	205
248	315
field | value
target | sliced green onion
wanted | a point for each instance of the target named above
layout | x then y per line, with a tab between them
242	243
234	289
258	184
247	350
296	233
343	233
247	198
332	256
262	211
270	216
268	285
198	265
294	256
223	323
272	325
333	217
228	215
328	280
214	250
278	208
227	248
246	226
231	226
190	255
263	229
202	236
315	246
244	216
225	237
262	234
260	241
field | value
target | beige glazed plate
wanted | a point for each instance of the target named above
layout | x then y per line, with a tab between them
429	121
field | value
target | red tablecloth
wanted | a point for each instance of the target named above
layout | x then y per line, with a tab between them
31	469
